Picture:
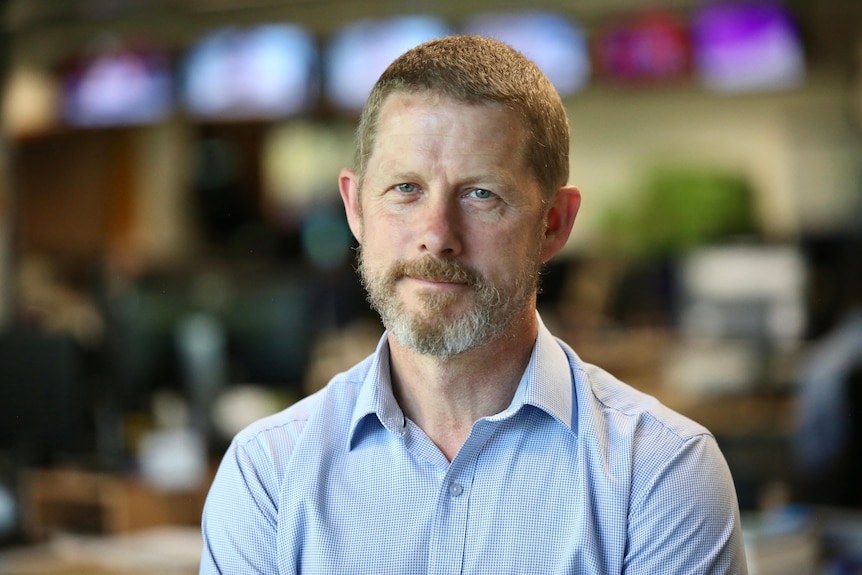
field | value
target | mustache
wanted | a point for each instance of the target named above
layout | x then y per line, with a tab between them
436	269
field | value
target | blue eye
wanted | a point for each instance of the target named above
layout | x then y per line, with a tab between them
480	193
406	188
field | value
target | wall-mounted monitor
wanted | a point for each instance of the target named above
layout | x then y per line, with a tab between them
264	72
747	47
357	54
117	84
554	42
649	47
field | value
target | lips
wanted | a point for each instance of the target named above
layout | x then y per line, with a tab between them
437	279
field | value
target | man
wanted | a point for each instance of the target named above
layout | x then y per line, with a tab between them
471	441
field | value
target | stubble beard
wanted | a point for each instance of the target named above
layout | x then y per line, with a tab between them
437	330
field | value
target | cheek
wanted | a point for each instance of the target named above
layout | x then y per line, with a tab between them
388	233
519	250
381	242
500	255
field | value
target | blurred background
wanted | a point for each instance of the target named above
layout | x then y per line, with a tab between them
175	263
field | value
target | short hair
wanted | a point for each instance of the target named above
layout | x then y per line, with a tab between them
478	70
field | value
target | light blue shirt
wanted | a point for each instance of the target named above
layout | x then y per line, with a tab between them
582	474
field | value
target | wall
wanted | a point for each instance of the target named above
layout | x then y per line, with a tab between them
796	148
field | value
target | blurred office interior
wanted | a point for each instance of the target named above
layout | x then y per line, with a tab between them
174	260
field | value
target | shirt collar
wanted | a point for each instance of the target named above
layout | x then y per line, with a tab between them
546	384
376	396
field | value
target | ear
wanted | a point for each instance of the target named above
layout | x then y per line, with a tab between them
559	221
348	185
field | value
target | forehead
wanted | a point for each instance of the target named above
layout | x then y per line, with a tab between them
397	102
407	119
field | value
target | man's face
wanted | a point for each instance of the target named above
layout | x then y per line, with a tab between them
450	223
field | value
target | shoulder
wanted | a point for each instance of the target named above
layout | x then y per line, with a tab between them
679	499
619	423
276	436
607	400
635	431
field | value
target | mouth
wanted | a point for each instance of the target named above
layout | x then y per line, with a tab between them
437	278
437	282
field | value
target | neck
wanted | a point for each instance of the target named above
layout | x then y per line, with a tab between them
444	397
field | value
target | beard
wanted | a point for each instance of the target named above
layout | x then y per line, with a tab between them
437	329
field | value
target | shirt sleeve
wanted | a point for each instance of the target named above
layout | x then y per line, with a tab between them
240	515
685	517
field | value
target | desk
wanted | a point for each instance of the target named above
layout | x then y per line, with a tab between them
72	500
155	551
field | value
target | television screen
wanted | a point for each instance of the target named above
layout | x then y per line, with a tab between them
118	85
264	72
554	42
357	54
648	47
744	47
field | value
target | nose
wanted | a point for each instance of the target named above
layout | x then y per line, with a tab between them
439	222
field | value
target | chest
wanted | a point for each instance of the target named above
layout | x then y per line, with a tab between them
508	503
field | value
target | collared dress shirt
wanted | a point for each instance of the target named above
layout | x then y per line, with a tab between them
581	474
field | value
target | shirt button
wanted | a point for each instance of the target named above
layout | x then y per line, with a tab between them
456	489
